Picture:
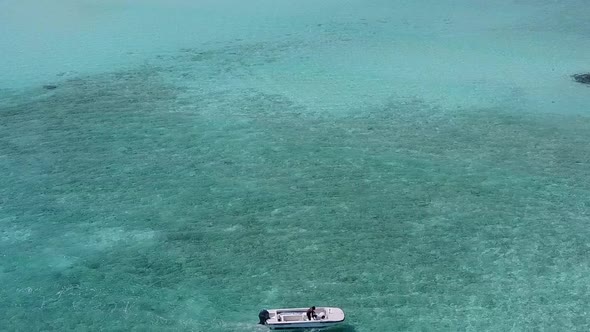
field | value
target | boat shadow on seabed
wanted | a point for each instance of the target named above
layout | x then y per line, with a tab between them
340	328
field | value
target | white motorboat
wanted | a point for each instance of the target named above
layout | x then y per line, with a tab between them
296	318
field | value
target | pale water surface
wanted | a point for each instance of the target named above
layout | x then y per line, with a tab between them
423	165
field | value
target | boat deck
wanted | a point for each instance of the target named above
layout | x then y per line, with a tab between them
297	318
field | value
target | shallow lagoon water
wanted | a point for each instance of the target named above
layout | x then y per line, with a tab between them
423	167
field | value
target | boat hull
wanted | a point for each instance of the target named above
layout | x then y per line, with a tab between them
300	326
297	319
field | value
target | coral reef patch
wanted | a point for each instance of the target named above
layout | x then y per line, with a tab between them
582	78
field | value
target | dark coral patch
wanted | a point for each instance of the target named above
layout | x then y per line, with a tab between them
582	78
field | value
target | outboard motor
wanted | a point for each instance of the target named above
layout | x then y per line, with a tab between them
263	316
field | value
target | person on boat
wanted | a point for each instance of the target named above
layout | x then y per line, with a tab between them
311	313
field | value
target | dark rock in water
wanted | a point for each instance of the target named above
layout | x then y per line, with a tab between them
49	87
582	78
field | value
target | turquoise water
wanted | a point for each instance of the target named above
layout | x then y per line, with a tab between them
423	166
